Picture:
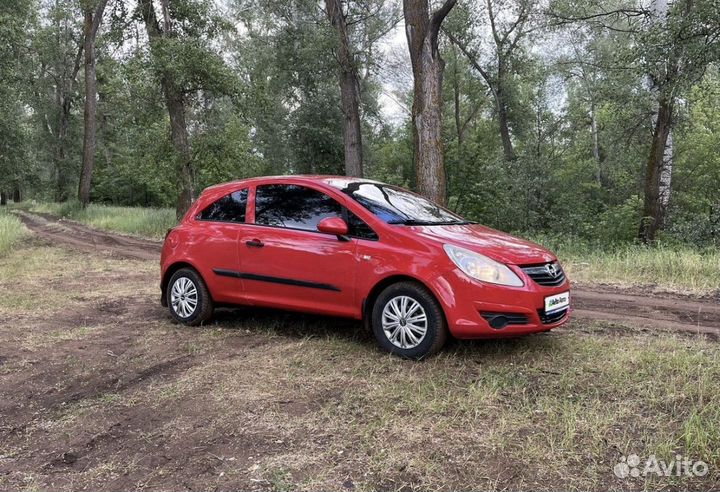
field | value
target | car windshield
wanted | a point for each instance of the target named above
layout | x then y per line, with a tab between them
397	206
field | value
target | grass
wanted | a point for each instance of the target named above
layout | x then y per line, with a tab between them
29	287
142	221
11	230
674	268
667	267
282	401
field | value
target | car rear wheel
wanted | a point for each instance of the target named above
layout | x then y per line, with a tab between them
408	321
188	298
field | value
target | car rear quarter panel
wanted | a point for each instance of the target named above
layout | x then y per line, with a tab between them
190	244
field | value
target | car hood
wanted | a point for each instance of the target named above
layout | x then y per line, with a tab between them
497	245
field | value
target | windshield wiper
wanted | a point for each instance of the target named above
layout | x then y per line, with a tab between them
415	222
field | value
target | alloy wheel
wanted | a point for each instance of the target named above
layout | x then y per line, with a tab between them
404	322
184	297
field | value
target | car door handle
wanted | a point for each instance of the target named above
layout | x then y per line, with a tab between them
254	243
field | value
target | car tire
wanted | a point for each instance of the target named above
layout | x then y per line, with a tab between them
194	305
394	328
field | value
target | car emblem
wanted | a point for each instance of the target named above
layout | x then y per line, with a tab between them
551	269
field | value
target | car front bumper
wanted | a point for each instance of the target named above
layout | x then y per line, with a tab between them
472	307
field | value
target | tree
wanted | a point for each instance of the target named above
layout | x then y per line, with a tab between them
349	90
672	44
658	171
681	41
174	101
507	30
93	17
582	66
422	30
61	60
15	31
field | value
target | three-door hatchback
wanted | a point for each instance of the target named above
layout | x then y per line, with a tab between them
413	271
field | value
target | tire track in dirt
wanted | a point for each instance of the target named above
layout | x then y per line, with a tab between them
651	311
89	240
667	312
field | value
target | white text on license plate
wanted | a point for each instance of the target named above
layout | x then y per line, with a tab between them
557	302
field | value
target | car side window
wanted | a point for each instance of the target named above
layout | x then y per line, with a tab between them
299	207
230	208
293	206
358	228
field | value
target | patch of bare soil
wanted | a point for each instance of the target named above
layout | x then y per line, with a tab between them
84	407
666	312
88	239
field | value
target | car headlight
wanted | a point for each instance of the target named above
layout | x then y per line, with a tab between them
481	267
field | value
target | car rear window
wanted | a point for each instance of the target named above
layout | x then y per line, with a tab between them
230	208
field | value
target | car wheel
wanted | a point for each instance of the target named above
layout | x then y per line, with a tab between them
408	321
188	298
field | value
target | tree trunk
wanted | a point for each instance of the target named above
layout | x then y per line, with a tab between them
502	109
508	150
179	136
16	194
90	28
456	99
63	99
175	103
59	155
666	173
3	198
595	142
349	91
422	35
653	210
658	173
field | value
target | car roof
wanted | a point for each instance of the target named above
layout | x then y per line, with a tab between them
338	182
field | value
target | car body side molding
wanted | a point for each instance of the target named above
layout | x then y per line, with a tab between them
276	280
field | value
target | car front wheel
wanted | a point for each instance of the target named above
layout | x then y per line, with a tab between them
188	298
408	321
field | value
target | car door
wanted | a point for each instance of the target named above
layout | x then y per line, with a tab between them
220	227
287	263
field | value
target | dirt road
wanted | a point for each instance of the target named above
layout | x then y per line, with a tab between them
634	307
88	239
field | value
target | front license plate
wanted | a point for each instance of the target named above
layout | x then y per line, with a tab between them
557	302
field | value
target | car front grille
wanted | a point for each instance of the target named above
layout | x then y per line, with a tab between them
551	318
547	274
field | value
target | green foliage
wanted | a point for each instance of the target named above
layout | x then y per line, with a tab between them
390	158
695	213
226	149
15	20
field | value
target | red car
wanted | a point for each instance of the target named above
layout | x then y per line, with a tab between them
413	271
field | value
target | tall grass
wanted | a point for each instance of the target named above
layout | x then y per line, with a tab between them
673	267
142	221
11	230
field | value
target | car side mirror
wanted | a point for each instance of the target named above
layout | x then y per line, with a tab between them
334	225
